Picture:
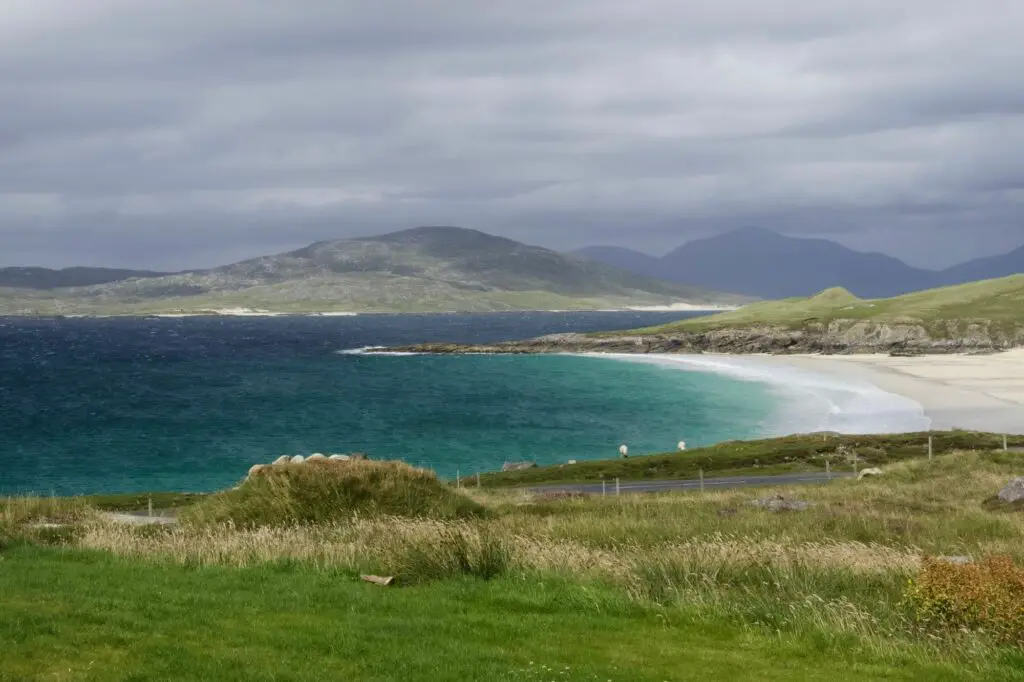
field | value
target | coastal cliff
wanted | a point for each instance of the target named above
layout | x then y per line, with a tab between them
835	337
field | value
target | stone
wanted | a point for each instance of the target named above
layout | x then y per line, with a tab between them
339	458
1013	491
960	560
517	466
874	471
298	459
317	457
255	469
780	503
283	459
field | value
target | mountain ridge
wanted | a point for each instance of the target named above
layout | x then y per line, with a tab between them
762	263
424	269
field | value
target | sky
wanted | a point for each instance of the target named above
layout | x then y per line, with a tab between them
171	134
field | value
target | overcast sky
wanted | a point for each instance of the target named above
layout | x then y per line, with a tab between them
188	133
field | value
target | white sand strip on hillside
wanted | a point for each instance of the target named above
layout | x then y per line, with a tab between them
982	392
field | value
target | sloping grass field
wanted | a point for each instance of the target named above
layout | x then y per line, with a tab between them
998	302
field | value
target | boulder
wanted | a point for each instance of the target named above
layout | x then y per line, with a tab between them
780	503
1013	491
874	471
339	458
517	466
298	459
317	457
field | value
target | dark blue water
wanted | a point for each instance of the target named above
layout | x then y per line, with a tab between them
107	405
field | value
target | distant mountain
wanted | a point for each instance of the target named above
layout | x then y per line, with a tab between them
754	260
986	268
423	269
764	264
620	257
44	278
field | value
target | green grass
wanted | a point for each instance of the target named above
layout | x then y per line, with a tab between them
763	457
638	587
945	311
133	502
70	615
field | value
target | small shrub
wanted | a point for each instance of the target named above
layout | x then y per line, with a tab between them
987	596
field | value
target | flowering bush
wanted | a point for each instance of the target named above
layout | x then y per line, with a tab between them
987	596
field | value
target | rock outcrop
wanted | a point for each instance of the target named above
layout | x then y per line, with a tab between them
836	337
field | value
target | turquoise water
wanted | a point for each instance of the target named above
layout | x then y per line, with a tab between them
133	405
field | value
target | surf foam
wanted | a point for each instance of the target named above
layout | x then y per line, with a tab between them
809	401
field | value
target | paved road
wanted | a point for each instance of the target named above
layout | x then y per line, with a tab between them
709	483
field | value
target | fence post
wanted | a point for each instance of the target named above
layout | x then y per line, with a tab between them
604	488
458	478
828	469
931	448
1006	444
854	461
478	479
616	485
701	470
150	506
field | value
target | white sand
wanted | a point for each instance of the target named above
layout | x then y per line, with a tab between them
982	392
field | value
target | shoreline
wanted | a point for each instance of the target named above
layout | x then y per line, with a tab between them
975	392
875	393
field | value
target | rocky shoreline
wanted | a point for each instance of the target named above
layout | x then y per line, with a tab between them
835	338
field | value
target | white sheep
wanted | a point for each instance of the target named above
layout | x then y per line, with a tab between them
298	459
339	458
316	458
255	469
283	459
682	446
624	450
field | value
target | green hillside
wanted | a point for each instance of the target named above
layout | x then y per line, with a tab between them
997	302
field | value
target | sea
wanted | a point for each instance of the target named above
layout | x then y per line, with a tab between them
189	404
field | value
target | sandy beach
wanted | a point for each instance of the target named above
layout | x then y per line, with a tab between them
981	392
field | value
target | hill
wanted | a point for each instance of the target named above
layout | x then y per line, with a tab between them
981	316
620	257
764	264
419	270
997	303
45	278
986	268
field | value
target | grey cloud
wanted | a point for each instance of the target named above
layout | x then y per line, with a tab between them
174	133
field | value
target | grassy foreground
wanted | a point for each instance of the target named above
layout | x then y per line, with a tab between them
653	587
88	616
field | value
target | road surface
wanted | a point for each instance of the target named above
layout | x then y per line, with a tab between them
709	483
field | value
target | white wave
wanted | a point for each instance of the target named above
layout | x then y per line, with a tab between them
810	401
371	350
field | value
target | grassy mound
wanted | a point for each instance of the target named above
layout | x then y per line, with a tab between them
317	492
